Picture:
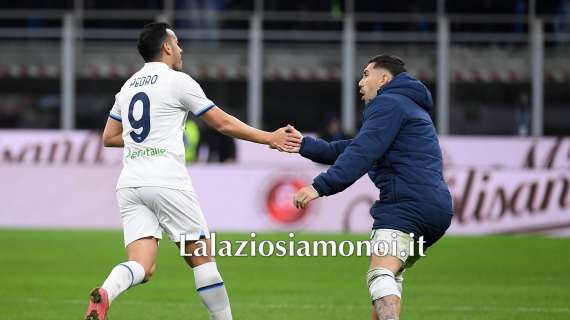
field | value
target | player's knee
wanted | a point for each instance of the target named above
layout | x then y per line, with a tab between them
195	261
382	283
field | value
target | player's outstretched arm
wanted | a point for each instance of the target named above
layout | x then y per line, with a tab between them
113	134
282	139
382	122
319	150
380	128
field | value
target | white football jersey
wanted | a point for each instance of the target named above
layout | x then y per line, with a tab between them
152	106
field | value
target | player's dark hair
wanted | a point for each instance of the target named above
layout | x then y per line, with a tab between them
393	64
151	39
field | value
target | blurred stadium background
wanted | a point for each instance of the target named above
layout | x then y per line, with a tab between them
499	73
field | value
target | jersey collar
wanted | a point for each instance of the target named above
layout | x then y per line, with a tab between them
157	64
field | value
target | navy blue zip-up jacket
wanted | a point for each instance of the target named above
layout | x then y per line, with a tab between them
398	147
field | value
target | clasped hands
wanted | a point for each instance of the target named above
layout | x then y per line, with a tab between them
286	139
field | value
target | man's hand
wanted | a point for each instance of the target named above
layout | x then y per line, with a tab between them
298	134
304	196
286	139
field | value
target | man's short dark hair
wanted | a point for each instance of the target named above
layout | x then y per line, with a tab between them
151	39
393	64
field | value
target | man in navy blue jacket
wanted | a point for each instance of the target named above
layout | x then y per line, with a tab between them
398	147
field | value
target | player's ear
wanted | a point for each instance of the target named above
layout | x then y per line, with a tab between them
385	78
167	47
381	79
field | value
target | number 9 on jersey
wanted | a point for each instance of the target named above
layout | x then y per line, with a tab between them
144	121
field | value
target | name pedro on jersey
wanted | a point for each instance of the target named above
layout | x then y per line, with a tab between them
147	152
143	81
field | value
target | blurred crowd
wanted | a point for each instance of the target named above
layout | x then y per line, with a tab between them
35	103
549	7
208	10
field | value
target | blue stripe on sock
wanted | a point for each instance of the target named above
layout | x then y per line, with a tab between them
132	274
212	286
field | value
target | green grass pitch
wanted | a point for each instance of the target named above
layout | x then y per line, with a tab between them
47	275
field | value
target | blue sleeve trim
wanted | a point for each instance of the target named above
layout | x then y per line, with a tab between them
212	286
201	112
112	116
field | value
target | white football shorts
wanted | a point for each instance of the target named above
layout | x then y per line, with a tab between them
147	211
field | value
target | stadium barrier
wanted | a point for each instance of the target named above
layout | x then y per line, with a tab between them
54	179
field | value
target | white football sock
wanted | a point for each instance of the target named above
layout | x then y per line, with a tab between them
399	278
212	291
123	276
381	283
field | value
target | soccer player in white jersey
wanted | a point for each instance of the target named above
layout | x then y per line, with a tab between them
154	190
